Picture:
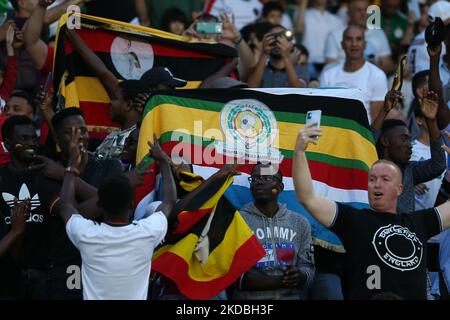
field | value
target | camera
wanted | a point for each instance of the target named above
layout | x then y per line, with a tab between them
288	34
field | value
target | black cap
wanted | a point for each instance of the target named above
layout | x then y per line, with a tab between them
161	75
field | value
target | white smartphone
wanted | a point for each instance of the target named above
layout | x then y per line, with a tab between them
314	117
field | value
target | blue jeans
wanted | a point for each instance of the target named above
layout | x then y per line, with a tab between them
326	286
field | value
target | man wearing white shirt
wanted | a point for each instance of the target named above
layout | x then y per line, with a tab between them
417	52
317	25
116	254
377	50
356	72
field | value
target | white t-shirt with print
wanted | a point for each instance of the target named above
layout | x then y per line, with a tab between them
370	79
116	260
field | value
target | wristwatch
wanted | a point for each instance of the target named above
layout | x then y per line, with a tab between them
73	170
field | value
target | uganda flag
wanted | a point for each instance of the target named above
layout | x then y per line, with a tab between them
128	51
208	127
211	247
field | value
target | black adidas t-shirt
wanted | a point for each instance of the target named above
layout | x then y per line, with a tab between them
34	249
385	252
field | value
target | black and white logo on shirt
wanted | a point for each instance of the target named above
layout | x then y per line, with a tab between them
398	247
24	193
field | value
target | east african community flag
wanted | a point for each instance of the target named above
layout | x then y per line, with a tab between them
208	126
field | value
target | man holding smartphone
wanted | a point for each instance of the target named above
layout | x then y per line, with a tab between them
275	67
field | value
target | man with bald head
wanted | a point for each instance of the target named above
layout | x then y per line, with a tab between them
356	72
386	250
377	51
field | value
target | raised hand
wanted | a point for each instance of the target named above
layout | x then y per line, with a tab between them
230	31
50	168
77	149
392	99
229	170
308	134
156	152
19	215
285	46
18	38
434	52
140	100
10	35
268	43
429	104
44	100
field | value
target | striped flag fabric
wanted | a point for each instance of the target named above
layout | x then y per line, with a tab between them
211	247
213	126
128	51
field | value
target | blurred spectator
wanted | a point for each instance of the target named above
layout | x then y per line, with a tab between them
357	72
317	25
20	103
425	193
120	10
274	12
8	72
244	11
398	27
275	67
377	49
174	20
417	52
156	9
254	34
28	78
116	254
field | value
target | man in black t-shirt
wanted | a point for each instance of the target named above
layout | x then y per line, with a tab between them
386	250
31	251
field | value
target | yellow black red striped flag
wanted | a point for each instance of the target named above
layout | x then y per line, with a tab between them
211	247
128	51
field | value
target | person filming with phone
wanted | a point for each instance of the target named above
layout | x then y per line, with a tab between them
287	269
386	250
275	68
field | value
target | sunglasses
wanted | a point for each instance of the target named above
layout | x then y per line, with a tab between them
263	179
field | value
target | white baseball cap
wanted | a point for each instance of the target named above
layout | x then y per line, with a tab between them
440	9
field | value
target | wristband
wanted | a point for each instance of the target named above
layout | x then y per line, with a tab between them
239	41
73	170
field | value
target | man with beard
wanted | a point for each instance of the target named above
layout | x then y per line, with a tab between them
275	67
288	267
